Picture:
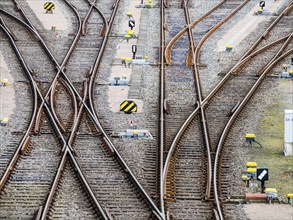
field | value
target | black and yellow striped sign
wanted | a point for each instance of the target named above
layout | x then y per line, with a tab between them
128	106
49	6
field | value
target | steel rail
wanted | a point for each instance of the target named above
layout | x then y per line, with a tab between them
209	97
52	58
28	74
277	55
26	138
162	101
85	20
66	153
21	149
81	27
199	101
200	96
233	119
75	126
44	209
51	118
237	66
94	117
193	49
195	57
191	117
68	149
180	34
53	84
266	33
52	101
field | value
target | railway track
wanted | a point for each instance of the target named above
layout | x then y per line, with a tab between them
216	125
29	167
104	141
71	197
178	188
86	158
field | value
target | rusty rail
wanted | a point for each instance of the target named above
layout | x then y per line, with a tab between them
94	116
27	71
162	103
195	57
52	101
200	97
29	76
180	34
211	94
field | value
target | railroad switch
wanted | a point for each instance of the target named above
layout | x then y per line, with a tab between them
285	67
131	33
287	71
149	4
261	11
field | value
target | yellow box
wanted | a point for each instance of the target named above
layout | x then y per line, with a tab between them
259	10
130	32
4	82
4	120
251	164
148	4
290	195
127	36
250	136
270	190
251	170
127	59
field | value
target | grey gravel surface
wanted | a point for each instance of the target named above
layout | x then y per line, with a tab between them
134	151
